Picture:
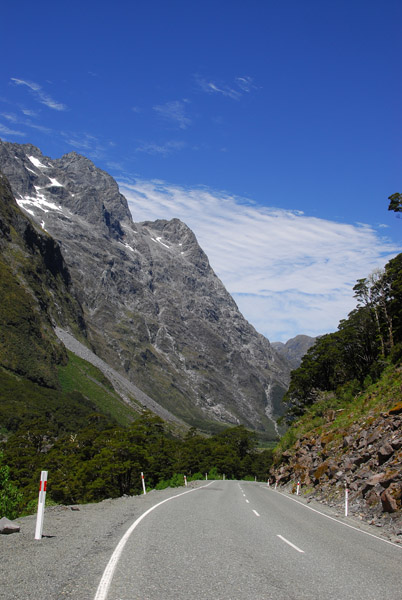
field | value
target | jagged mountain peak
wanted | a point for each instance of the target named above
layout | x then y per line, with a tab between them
71	183
153	306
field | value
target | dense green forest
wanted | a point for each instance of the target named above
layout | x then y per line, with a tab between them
90	456
102	460
347	361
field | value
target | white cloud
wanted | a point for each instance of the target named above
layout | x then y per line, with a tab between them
10	117
289	273
164	149
13	118
235	90
175	112
7	131
29	113
84	142
245	83
41	96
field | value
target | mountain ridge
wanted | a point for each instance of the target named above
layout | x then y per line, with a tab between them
294	349
153	307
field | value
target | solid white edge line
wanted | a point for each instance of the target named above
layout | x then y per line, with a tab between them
337	520
290	543
108	573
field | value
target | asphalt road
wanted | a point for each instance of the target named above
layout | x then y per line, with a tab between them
239	540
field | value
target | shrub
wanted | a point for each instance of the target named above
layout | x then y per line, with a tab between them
10	497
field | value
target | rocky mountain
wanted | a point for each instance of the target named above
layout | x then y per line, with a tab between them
294	349
152	307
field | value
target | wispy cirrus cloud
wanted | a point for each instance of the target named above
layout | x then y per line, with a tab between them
29	113
174	112
40	95
163	149
4	130
235	90
17	120
289	273
87	143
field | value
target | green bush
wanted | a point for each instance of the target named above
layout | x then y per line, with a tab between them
196	477
176	481
213	474
10	497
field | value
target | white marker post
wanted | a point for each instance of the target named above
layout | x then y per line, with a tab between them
298	488
185	481
143	482
41	505
276	484
346	500
206	476
268	483
224	477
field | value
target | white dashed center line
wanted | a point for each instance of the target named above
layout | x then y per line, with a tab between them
290	544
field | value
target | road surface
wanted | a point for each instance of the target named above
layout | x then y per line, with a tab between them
239	540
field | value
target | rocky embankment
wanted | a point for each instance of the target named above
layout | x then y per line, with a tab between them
367	457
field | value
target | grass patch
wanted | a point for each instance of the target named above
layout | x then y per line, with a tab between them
80	376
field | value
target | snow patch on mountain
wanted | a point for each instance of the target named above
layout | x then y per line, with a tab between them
36	162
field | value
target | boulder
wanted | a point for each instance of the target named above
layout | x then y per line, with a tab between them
389	503
396	443
7	526
384	453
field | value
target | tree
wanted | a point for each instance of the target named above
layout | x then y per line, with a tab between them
395	202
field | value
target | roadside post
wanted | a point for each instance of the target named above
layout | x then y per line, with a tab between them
185	481
41	505
346	500
298	488
143	482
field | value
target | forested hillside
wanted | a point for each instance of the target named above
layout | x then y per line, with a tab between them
357	353
344	405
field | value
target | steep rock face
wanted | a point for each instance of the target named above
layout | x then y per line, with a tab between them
294	349
154	308
35	294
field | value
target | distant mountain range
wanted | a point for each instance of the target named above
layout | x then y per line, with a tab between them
141	296
294	350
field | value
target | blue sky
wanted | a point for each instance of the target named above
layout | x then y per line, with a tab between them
271	128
